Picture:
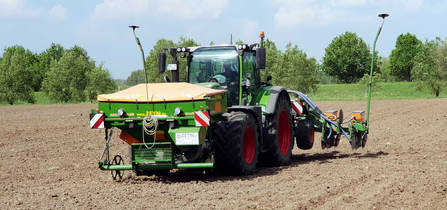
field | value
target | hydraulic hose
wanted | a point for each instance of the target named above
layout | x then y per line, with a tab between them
318	110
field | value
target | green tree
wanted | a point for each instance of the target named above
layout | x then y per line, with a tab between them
66	81
385	70
295	70
347	58
136	77
16	75
272	57
152	60
34	70
99	82
53	53
430	66
401	58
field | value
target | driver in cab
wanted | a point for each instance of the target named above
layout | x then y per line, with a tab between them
232	82
230	72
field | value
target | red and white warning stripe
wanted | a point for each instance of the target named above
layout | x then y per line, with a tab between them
202	118
96	120
297	107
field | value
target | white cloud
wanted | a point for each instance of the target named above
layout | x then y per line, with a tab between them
414	4
16	8
117	9
59	12
193	8
409	5
291	13
347	3
10	7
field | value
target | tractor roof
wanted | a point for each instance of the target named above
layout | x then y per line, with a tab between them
192	49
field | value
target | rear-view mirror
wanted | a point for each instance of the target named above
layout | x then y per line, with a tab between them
260	58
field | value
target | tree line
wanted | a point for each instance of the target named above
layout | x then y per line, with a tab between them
70	75
421	62
347	59
65	75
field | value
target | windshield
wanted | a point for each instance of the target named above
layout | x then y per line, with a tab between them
215	64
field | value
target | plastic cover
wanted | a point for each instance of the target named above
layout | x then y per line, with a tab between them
160	92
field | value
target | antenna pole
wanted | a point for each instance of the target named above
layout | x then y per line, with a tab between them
141	50
383	16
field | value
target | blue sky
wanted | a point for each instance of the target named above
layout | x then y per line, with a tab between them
100	26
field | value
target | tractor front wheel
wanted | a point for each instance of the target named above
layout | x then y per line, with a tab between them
236	144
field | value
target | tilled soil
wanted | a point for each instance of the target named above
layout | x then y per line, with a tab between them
49	159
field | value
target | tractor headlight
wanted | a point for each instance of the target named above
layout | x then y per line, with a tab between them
183	49
179	49
182	55
244	46
178	111
121	112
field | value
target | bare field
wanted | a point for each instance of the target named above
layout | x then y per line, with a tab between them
49	160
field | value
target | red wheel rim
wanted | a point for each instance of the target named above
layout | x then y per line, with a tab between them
312	136
249	145
284	132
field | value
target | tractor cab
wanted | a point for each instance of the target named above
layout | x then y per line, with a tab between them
229	67
224	65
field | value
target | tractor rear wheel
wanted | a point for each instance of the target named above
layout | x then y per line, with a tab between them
304	134
236	144
279	139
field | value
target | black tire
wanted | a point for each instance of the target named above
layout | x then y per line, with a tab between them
278	141
356	140
364	140
304	134
331	141
236	144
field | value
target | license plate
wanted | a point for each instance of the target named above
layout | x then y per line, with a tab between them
187	138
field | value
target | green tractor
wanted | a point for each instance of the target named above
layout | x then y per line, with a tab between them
223	117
